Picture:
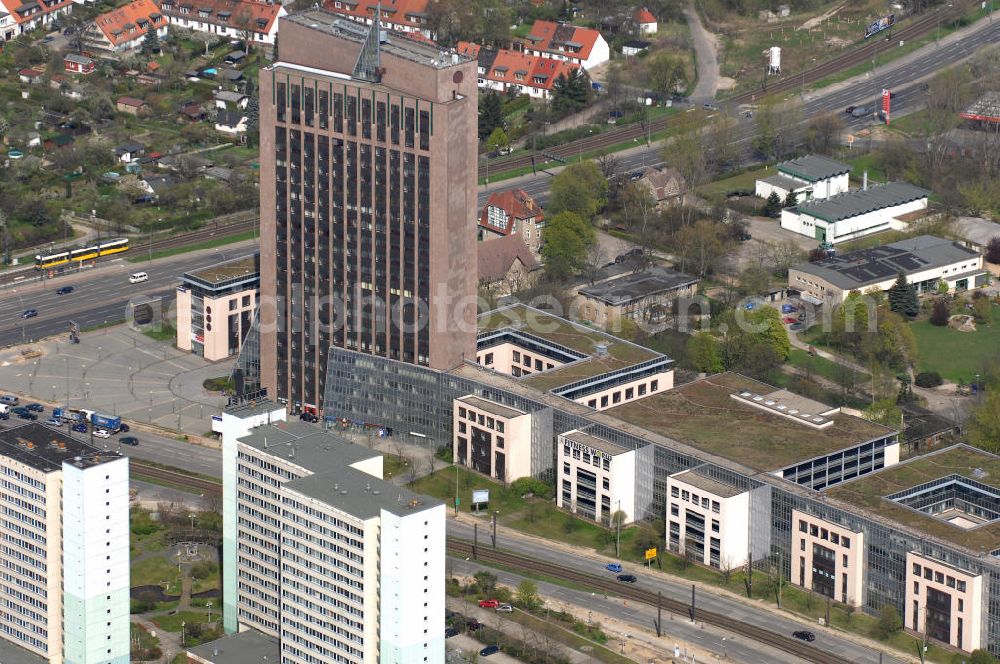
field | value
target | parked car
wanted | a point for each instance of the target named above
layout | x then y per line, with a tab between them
29	313
489	603
859	112
35	407
8	400
79	427
123	428
613	567
473	624
788	308
790	319
102	433
505	608
849	109
308	417
804	635
54	422
25	415
129	440
65	290
489	650
4	416
795	327
627	578
450	632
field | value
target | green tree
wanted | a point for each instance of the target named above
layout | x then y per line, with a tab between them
888	621
981	656
791	200
903	297
567	239
253	114
486	581
579	188
571	93
498	140
704	354
981	309
984	424
527	596
772	208
151	42
664	73
992	249
490	114
940	313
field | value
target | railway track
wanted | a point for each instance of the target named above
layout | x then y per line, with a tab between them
864	53
194	237
174	477
627	591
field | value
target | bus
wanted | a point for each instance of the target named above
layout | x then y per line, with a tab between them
45	261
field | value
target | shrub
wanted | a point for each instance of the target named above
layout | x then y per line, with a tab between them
888	621
526	485
940	313
445	453
928	379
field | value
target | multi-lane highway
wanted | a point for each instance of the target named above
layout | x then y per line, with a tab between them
100	294
899	76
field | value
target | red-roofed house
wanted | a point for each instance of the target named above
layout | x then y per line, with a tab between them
20	16
400	15
30	75
227	18
526	74
468	49
565	41
78	64
645	20
506	265
123	29
512	212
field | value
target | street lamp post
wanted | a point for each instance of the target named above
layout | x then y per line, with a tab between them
618	530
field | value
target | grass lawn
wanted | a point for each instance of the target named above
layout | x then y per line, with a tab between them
957	356
207	244
155	570
824	367
718	189
548	521
441	485
866	162
173	623
392	465
166	332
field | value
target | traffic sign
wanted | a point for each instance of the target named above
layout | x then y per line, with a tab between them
650	553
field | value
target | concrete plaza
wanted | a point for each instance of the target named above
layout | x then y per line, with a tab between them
118	371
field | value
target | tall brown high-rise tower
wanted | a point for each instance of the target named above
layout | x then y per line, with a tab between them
367	201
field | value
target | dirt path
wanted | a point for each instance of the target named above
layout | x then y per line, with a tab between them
708	64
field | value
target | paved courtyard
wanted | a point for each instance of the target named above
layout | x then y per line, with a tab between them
117	371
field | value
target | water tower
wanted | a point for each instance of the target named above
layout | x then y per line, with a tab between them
774	60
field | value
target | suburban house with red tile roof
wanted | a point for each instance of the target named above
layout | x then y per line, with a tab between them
645	21
506	265
512	212
236	19
399	15
20	16
123	29
565	41
525	74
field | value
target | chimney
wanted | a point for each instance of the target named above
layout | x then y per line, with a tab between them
864	181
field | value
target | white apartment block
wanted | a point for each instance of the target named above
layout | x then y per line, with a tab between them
809	177
338	564
597	478
65	562
708	520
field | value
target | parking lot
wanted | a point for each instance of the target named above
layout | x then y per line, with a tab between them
116	371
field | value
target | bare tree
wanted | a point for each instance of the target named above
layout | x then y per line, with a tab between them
609	164
597	257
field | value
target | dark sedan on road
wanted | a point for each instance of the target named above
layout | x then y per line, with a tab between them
489	650
35	407
627	578
25	415
450	632
80	427
65	290
803	635
30	313
129	440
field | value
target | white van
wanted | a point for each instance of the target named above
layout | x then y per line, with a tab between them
138	277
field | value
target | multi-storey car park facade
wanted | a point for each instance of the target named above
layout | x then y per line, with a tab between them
65	562
762	464
323	556
370	141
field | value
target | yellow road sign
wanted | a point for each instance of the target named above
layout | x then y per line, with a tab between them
650	553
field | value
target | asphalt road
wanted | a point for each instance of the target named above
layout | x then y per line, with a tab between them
101	293
898	76
825	640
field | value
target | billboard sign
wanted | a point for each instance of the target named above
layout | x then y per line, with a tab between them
878	26
650	553
480	496
886	102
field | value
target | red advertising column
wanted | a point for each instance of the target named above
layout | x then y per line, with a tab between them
886	102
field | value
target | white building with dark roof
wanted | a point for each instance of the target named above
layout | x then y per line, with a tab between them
811	176
850	215
338	564
925	260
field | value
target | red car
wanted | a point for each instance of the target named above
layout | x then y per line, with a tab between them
489	603
790	319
